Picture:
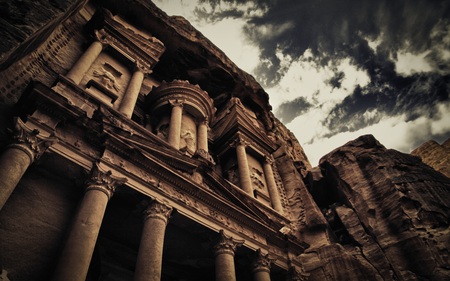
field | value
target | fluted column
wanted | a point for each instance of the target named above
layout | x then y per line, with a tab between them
271	184
261	267
224	257
132	93
76	256
77	72
175	124
149	260
202	135
27	146
244	172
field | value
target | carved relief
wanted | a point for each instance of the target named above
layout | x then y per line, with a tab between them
107	78
233	176
188	137
256	177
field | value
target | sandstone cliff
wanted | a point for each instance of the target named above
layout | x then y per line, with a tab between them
389	213
435	155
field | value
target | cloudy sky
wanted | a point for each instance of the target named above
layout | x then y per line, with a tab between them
335	70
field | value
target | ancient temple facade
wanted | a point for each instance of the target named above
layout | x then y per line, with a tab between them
159	178
134	149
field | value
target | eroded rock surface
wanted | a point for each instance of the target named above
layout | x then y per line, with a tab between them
436	155
389	205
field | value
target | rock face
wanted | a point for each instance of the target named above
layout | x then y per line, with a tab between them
436	155
388	211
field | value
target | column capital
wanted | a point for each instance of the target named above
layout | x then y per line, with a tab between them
30	140
203	121
226	244
103	181
261	262
269	159
142	67
103	37
239	140
158	210
175	103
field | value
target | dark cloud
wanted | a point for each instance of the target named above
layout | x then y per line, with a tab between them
336	30
336	80
414	96
287	111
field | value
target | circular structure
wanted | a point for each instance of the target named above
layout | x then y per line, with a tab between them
195	101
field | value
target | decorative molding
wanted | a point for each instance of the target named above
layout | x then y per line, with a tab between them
226	244
103	181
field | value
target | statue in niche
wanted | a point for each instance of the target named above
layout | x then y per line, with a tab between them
107	79
233	176
188	138
256	177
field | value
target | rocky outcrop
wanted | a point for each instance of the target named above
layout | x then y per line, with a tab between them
435	155
388	207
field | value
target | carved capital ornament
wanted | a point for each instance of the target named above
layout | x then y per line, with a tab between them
158	210
261	262
30	140
226	244
103	181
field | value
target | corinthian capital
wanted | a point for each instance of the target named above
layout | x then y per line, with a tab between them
31	141
269	159
261	262
103	181
226	244
158	210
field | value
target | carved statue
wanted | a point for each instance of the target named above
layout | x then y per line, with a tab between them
188	137
256	176
107	78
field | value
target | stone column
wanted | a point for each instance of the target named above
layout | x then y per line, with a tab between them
175	124
132	93
149	259
76	256
224	257
27	146
244	172
261	267
202	135
77	72
271	184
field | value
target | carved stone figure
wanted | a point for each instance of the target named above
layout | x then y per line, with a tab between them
107	79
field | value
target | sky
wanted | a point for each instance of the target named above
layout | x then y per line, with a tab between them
335	70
